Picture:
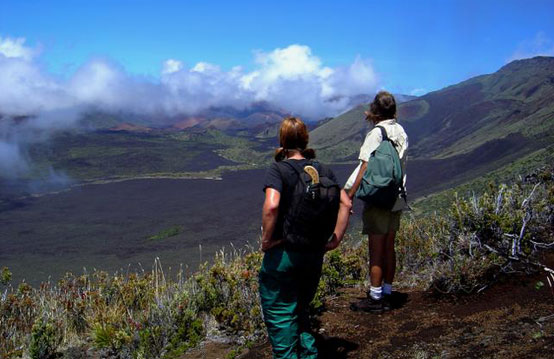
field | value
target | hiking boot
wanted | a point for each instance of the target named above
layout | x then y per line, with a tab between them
368	305
387	302
396	299
386	299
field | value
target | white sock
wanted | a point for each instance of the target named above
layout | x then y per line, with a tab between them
375	292
387	289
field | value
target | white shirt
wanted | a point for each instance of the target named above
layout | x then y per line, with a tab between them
373	139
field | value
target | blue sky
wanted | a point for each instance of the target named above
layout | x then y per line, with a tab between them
412	46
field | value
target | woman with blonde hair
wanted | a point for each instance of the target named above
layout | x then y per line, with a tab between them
294	245
380	224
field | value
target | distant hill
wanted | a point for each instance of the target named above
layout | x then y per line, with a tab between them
339	139
515	101
465	130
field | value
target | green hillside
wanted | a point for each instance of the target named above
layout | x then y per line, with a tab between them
464	131
85	155
339	139
517	99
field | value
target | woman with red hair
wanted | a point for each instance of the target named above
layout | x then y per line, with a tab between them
290	271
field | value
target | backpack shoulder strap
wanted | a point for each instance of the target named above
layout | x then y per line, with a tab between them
384	133
294	167
386	137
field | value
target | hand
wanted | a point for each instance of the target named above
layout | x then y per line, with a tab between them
332	244
267	245
351	205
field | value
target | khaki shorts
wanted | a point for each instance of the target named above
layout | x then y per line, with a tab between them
380	221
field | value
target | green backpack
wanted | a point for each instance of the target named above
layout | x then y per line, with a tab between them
382	182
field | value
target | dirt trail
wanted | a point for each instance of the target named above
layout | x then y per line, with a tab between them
512	319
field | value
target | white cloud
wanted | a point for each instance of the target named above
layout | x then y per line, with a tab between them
540	45
296	80
291	78
295	61
358	78
15	48
171	66
25	89
418	92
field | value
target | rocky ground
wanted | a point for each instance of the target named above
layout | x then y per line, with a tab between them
512	319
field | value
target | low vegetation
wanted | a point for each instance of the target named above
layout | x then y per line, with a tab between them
94	155
166	233
147	315
503	230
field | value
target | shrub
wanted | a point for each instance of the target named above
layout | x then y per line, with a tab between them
346	265
5	276
45	339
480	237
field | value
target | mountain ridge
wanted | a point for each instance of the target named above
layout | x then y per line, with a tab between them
440	112
486	122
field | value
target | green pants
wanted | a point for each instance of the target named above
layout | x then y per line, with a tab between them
288	282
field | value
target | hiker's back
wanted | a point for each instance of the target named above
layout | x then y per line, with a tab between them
381	221
310	204
398	136
301	219
395	133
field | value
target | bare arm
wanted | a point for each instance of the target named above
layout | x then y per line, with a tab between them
270	212
342	221
354	188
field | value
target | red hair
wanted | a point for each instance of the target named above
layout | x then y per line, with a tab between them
293	135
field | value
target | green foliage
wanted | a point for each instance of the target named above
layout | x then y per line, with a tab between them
539	285
45	339
143	315
234	353
189	333
479	237
166	233
343	266
230	292
5	276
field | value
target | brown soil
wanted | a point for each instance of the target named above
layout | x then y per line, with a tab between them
512	319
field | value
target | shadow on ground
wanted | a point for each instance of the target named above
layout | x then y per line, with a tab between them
334	347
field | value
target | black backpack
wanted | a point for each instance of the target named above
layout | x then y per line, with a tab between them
310	210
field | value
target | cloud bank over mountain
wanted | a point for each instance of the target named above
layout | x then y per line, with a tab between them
292	78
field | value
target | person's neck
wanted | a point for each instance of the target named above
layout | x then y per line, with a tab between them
295	155
375	123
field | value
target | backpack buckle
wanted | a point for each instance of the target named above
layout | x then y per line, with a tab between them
311	192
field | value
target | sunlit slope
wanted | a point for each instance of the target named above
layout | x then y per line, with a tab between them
515	102
339	139
463	131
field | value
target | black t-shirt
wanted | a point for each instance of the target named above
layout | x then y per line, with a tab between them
284	183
